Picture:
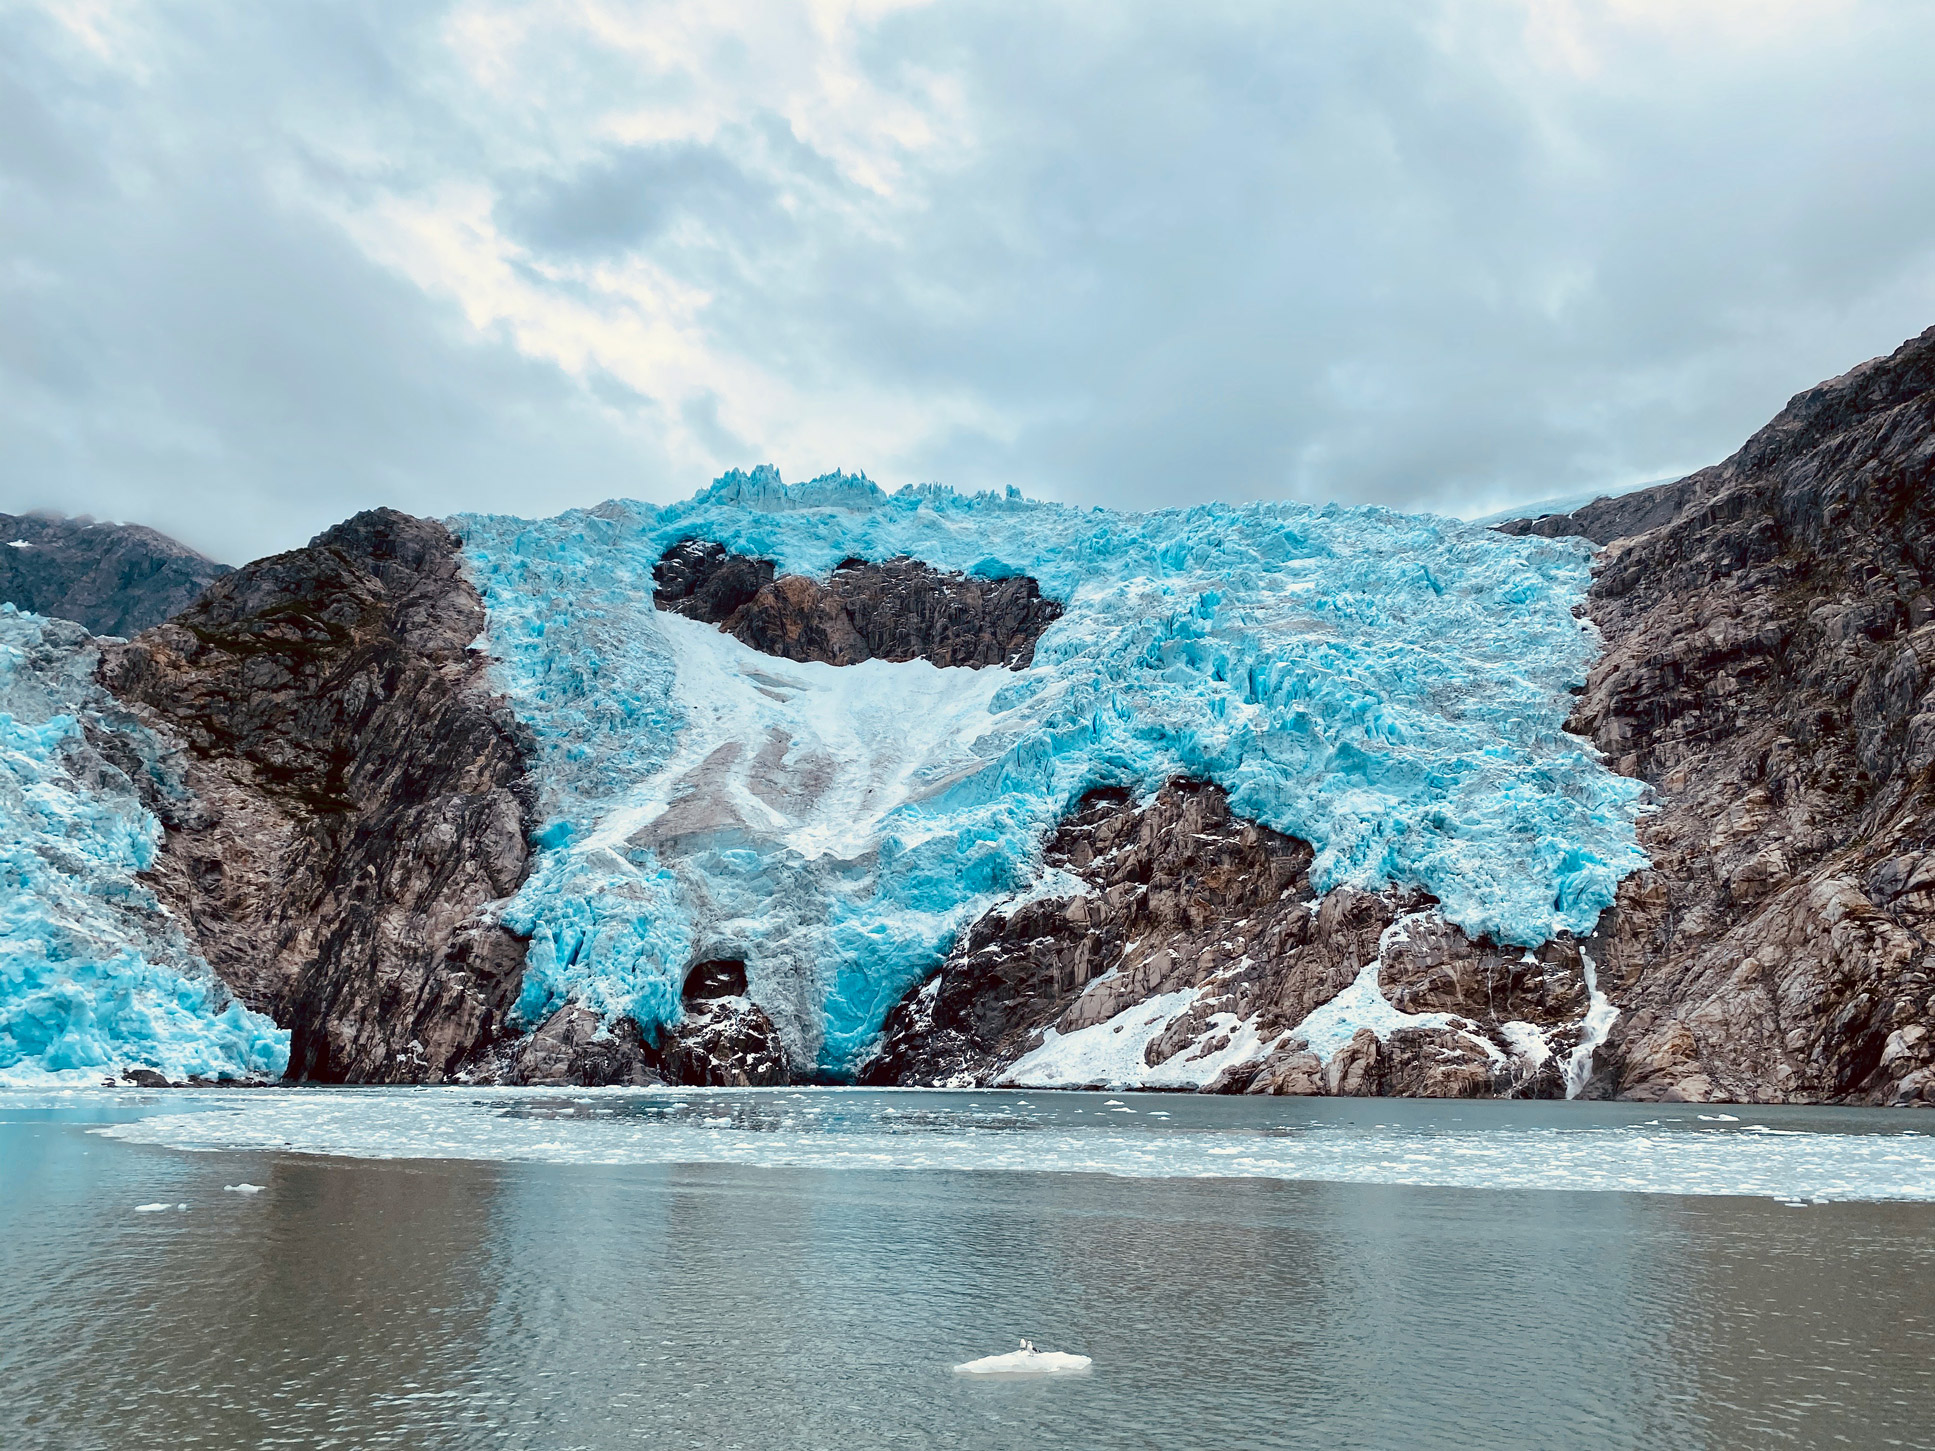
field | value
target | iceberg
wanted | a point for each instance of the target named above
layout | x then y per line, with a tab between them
1026	1361
94	974
1391	688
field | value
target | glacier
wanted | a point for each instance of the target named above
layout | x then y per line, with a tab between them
95	976
1390	688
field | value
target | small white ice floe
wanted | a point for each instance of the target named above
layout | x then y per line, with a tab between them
156	1208
1719	1118
1026	1361
241	1188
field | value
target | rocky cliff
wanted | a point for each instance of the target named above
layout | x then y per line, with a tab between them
1770	672
355	797
116	579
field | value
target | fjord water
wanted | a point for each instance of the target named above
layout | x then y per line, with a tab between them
456	1268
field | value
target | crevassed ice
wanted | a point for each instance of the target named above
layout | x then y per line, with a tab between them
94	976
1388	687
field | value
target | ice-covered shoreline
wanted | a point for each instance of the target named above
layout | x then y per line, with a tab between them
1794	1155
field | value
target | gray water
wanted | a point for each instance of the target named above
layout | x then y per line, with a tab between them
802	1269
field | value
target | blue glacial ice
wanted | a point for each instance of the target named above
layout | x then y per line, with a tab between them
94	975
1388	687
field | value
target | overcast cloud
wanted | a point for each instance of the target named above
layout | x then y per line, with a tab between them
264	265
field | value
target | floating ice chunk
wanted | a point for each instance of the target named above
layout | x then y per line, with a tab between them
242	1188
1026	1361
1719	1118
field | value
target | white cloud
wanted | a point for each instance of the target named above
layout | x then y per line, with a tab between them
263	265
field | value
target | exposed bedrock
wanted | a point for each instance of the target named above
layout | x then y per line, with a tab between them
1179	897
116	579
359	796
722	1040
1770	670
898	609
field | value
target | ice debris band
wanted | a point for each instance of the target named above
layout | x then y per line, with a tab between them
94	975
1388	687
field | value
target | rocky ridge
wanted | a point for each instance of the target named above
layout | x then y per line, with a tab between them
356	797
115	579
1604	520
1770	672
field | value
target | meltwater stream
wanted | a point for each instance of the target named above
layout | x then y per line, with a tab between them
804	1268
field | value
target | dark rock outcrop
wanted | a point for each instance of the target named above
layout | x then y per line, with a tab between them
116	579
722	1040
1183	895
898	609
356	796
1770	670
576	1048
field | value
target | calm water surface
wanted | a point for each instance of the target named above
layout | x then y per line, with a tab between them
775	1270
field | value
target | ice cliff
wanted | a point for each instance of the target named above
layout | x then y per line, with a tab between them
95	977
1388	688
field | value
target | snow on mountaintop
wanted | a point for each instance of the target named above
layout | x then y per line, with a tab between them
1388	687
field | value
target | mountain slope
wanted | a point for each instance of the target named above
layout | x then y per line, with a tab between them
116	579
1770	672
354	797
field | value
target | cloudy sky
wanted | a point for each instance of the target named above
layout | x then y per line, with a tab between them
264	265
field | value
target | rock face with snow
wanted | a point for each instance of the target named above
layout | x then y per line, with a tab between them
1770	672
353	797
1189	950
116	579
